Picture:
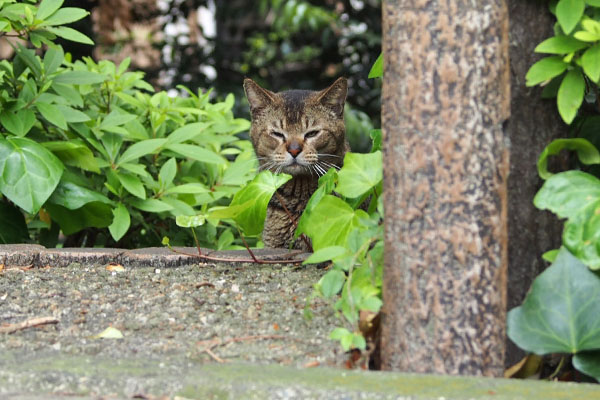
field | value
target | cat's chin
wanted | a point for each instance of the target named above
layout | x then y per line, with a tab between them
296	170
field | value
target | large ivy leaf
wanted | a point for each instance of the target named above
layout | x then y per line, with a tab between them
12	221
587	153
589	363
582	236
568	13
249	205
326	185
560	313
29	173
331	221
361	172
568	193
570	95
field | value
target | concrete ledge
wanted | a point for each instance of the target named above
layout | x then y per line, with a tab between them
17	255
47	376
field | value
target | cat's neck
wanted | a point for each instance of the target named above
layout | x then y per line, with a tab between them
299	187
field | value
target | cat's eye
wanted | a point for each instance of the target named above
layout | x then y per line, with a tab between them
310	134
278	135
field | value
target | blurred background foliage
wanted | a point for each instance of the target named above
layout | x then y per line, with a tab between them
216	43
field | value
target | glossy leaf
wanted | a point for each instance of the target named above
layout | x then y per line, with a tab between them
581	235
132	184
94	214
79	78
197	153
568	193
47	8
140	149
326	254
73	196
361	172
331	283
52	114
65	15
29	173
588	362
560	45
590	61
560	313
74	153
19	123
70	34
12	221
190	221
377	68
151	205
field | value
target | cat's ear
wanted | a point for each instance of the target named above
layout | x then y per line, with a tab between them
258	98
334	96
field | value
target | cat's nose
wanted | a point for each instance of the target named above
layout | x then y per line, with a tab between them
294	149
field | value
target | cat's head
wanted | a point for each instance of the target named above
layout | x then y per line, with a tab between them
299	132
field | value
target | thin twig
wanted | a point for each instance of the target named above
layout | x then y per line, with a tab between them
239	260
213	355
247	247
30	323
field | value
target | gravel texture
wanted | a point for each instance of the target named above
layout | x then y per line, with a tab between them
241	312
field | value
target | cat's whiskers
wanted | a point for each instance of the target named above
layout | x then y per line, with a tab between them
320	169
329	165
328	155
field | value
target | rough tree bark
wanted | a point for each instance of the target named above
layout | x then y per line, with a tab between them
445	98
532	125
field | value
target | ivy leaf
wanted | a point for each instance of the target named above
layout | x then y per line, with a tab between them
570	95
560	313
587	153
326	185
568	13
361	172
249	205
190	221
331	283
566	194
121	222
588	362
326	254
29	173
581	235
545	69
331	222
12	221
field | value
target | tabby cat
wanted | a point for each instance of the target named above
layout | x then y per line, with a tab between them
301	133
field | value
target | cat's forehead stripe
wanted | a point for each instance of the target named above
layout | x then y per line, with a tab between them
293	102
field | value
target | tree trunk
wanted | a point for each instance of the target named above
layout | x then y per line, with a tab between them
533	124
445	98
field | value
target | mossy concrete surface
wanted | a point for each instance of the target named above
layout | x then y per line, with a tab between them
85	377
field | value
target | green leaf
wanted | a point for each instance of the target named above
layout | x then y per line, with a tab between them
188	188
52	114
79	78
249	205
47	8
545	69
550	255
360	173
94	214
595	3
73	196
167	173
69	93
587	153
588	362
376	138
117	118
28	172
29	58
566	194
326	185
331	222
560	45
109	333
19	123
65	16
132	184
140	149
560	313
325	254
190	221
151	205
590	61
331	283
70	34
12	221
53	59
187	132
586	36
197	153
120	223
72	115
377	68
568	13
570	95
582	236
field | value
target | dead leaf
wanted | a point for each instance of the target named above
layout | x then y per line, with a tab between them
114	267
109	333
529	367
